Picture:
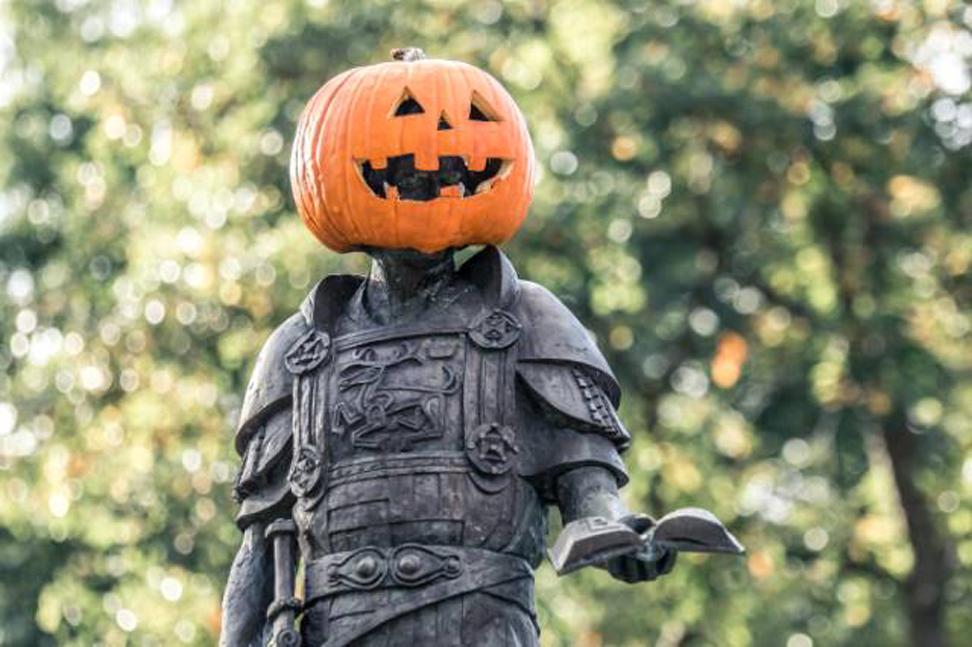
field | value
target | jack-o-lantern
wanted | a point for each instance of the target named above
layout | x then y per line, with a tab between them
414	153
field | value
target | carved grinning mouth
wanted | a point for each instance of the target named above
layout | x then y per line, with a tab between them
423	185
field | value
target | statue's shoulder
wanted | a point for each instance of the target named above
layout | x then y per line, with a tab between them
558	363
549	332
563	369
271	383
553	335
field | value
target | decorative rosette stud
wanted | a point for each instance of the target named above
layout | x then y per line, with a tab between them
490	449
495	330
305	471
308	352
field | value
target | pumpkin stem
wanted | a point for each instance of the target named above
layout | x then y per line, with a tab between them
407	54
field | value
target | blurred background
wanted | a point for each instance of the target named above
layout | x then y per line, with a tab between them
761	208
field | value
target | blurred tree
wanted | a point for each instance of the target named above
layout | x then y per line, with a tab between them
762	209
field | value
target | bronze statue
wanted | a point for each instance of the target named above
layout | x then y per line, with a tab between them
404	433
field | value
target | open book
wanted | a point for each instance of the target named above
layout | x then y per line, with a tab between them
593	540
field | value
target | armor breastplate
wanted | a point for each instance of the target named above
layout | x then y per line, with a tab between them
396	396
403	435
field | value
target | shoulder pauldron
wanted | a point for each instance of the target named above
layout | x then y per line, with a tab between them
563	369
271	385
569	397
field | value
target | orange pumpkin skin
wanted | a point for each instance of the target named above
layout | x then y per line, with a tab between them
352	119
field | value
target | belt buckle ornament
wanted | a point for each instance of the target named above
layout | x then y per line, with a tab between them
409	565
414	565
362	570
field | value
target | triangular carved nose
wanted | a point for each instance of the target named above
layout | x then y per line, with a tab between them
444	122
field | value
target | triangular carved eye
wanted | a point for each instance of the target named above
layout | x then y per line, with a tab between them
480	110
407	105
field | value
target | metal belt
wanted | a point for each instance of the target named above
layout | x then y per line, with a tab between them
411	566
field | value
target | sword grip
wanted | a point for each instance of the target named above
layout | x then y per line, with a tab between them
282	611
285	638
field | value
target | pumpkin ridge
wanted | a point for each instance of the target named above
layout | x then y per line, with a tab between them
401	145
369	128
322	143
470	86
320	166
310	162
350	110
454	224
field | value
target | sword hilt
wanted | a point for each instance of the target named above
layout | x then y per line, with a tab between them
285	606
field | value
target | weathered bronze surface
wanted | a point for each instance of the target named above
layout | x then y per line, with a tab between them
410	429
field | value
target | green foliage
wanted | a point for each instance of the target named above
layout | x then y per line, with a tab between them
762	209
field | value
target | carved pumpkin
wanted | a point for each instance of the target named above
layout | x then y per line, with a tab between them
420	154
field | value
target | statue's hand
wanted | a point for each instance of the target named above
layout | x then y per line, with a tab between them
645	565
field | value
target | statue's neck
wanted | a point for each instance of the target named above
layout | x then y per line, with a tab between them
404	283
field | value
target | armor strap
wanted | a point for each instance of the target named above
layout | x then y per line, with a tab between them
489	406
431	574
308	471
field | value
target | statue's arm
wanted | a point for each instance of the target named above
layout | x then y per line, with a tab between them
249	591
572	455
589	492
263	492
593	492
264	440
572	436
